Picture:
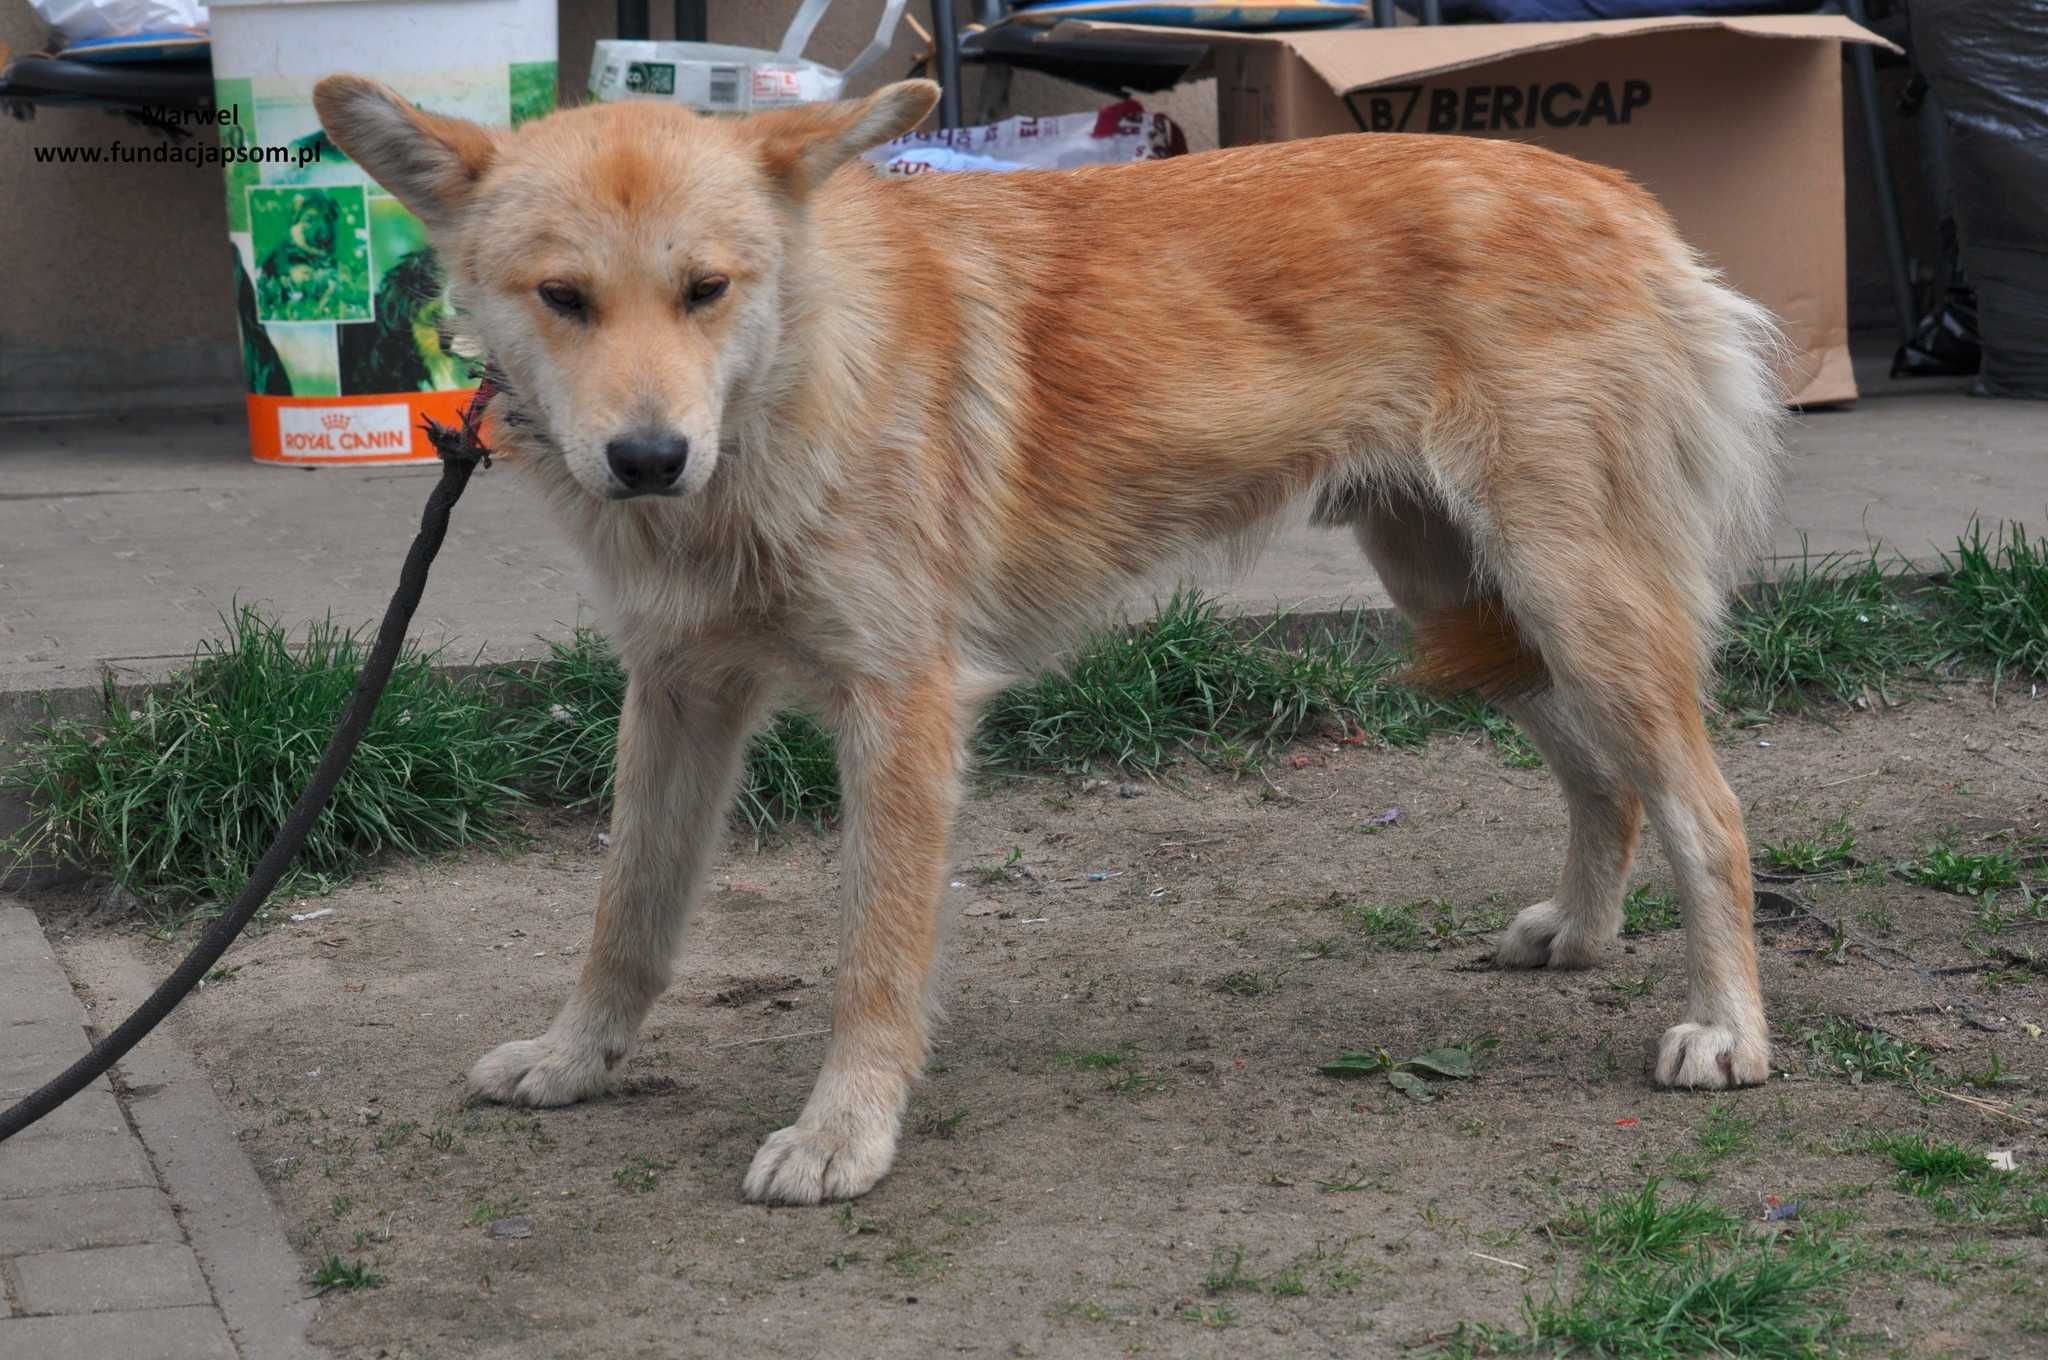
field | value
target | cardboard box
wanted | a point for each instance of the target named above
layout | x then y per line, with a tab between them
1736	124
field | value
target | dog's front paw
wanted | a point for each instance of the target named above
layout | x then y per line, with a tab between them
1711	1057
800	1165
538	1072
1543	936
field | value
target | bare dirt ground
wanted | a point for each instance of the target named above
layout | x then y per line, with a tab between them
1124	1145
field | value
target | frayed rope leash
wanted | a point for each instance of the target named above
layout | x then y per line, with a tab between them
461	448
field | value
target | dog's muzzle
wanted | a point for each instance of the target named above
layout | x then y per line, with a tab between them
647	462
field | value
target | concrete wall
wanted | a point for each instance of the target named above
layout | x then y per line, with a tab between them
114	287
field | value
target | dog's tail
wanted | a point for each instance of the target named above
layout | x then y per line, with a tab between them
1725	436
1704	454
1475	648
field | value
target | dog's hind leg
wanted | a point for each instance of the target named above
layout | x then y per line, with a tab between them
900	748
1621	651
1569	929
1425	562
680	747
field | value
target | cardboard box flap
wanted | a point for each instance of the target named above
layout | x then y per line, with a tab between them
1355	59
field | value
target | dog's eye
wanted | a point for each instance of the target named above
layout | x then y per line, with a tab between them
562	297
708	289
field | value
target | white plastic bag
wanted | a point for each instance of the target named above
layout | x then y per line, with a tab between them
75	21
1118	132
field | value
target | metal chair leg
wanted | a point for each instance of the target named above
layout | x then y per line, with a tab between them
1864	68
946	38
692	24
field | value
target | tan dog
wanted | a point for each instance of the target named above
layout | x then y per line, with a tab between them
880	446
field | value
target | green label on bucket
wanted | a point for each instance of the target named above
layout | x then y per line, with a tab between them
337	290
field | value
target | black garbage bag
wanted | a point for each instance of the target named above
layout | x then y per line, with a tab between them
1988	63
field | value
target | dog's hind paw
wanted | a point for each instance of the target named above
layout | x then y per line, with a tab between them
1544	936
1710	1057
538	1072
799	1165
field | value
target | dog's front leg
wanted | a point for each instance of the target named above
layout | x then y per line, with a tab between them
899	760
679	756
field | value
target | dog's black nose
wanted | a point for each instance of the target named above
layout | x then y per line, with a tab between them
647	460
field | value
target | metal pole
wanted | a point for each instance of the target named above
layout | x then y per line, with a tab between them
1432	12
1864	68
946	37
692	23
632	19
1382	13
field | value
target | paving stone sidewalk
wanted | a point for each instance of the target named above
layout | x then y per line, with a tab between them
130	1226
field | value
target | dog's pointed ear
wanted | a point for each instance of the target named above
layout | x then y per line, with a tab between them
803	145
429	163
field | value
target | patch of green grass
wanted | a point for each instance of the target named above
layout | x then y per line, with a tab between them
566	717
1290	1283
488	1211
1187	681
1093	1060
1248	983
1753	1303
1227	1272
1214	1316
1134	1082
1390	926
395	1135
991	875
1843	1048
1833	847
791	774
1723	1134
1998	912
1993	598
856	1225
346	1276
1926	1164
1647	909
640	1174
1193	679
916	1262
1662	1280
1959	1184
1426	923
176	796
1643	1228
566	723
1962	872
1834	627
1632	986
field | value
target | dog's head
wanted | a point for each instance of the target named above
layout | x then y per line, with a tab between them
314	219
621	263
